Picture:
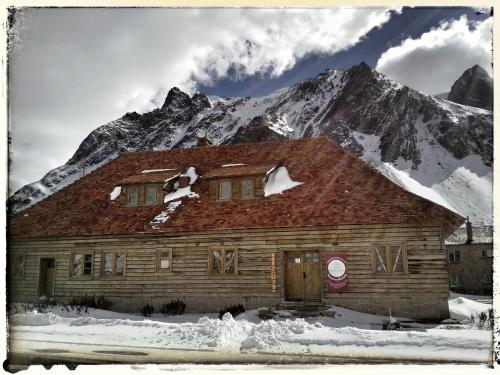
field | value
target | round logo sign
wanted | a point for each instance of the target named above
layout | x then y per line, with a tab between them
336	268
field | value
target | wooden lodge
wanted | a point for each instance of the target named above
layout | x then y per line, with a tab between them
258	224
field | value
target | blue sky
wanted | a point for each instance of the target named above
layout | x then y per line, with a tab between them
411	23
72	70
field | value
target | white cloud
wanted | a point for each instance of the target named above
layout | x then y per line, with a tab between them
434	61
76	69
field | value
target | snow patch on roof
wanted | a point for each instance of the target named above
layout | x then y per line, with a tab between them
115	193
191	173
180	193
164	215
278	181
185	191
157	170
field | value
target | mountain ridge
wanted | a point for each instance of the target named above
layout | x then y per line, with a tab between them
391	126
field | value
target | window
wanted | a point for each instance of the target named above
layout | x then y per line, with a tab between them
225	190
488	279
247	191
164	261
223	261
455	280
454	256
81	264
132	195
18	265
389	258
486	253
113	264
150	194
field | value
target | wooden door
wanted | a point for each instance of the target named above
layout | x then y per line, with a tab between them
47	277
312	276
302	276
294	286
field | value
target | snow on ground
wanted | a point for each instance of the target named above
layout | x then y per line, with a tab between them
278	181
348	334
462	306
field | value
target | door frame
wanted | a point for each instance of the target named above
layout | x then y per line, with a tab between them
283	273
40	260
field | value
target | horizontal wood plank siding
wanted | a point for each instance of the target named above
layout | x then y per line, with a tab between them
427	271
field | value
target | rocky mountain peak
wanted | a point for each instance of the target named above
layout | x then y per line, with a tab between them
200	101
176	99
474	88
407	135
361	70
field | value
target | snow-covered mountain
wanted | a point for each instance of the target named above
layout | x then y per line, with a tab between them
431	146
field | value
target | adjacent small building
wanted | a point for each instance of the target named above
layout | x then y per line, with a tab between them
470	260
292	222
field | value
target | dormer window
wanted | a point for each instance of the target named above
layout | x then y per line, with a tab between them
225	190
132	195
146	188
247	189
151	193
234	182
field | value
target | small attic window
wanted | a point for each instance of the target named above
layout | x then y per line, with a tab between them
225	190
133	195
151	194
247	189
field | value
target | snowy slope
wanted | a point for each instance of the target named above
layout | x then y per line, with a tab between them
430	146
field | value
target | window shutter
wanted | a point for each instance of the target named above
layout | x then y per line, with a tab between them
259	186
213	190
235	189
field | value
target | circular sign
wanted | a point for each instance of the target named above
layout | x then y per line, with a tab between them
336	268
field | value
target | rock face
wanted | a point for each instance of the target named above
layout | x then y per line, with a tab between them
418	141
473	88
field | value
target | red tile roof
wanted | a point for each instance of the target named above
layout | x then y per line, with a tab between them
148	177
338	188
239	170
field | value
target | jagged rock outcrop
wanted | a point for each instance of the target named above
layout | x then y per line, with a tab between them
473	88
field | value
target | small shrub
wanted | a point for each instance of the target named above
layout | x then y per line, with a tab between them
482	320
147	310
176	307
233	309
83	303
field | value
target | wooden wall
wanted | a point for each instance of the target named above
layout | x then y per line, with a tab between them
426	283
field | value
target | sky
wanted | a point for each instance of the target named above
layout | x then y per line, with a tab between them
72	70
